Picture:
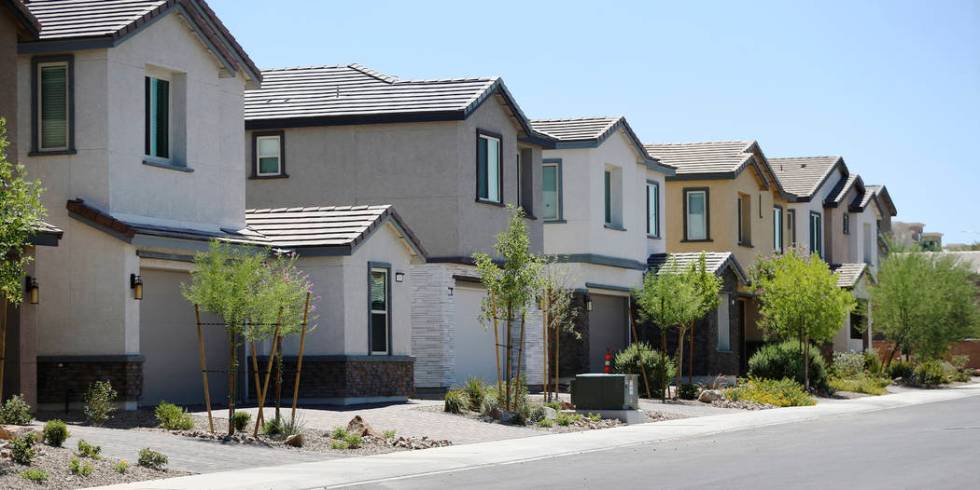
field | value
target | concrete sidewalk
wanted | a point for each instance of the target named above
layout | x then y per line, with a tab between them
351	471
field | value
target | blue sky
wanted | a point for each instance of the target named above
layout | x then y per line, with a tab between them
892	86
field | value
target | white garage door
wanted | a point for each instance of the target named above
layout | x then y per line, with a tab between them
168	342
474	345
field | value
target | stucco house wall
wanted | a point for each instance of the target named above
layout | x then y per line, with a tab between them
8	78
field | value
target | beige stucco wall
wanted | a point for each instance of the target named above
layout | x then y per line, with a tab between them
8	78
426	170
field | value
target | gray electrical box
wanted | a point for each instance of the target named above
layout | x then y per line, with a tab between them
606	392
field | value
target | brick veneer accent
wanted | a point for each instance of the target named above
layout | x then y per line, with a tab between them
61	376
346	376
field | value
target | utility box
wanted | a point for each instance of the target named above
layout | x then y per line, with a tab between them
606	392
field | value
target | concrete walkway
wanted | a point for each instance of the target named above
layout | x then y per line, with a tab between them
352	471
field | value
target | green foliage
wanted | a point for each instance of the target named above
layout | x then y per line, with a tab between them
901	369
556	406
55	432
594	417
537	414
36	475
847	364
389	434
99	402
455	402
293	427
784	360
860	383
15	411
353	441
546	423
779	393
273	427
240	420
172	417
338	444
20	213
475	390
659	367
925	302
339	433
77	467
564	419
930	373
22	449
872	361
491	402
149	458
688	392
121	467
89	450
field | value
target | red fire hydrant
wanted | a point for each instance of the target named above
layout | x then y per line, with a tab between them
607	368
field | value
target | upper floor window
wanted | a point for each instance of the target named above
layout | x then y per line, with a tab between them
157	104
696	214
525	180
868	240
53	111
489	168
816	233
613	197
268	159
777	228
847	224
551	190
744	207
791	226
653	209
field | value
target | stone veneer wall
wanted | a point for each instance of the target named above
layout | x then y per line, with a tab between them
61	377
343	377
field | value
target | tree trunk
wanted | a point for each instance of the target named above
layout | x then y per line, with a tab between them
544	340
888	362
520	358
680	361
690	360
3	342
509	351
806	361
232	367
278	376
636	336
496	341
557	352
256	380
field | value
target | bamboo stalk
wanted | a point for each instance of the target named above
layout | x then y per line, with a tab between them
232	358
544	341
256	381
268	374
507	362
496	342
557	351
278	384
299	360
520	355
204	367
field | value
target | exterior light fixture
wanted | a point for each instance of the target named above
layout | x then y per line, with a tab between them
588	304
33	290
136	283
399	277
450	291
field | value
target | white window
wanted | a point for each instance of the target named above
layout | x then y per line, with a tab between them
158	109
53	106
653	209
744	207
613	197
551	191
777	228
268	151
868	239
379	300
488	181
724	324
696	214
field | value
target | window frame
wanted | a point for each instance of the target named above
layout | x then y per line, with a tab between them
607	216
818	240
36	64
282	154
846	222
727	325
686	192
384	267
744	220
655	233
148	121
777	211
484	134
559	205
791	225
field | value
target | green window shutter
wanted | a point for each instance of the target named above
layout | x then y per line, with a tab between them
157	133
54	106
483	191
608	195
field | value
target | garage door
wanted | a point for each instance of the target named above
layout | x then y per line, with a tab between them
607	328
473	344
168	342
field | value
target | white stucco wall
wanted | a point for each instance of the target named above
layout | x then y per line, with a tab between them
803	210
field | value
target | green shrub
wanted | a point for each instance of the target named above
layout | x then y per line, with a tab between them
121	467
901	369
659	368
16	411
537	414
780	393
784	360
89	450
594	417
172	417
688	392
240	420
339	433
338	444
565	419
872	362
475	391
22	449
959	362
556	406
862	383
293	427
389	434
353	441
149	458
546	423
273	427
455	402
930	373
76	467
490	402
847	364
36	475
55	432
99	402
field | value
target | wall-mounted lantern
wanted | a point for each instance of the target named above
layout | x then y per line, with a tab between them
450	291
588	304
399	277
33	290
136	283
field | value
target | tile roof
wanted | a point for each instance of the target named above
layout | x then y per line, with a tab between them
24	16
848	275
44	227
713	157
881	192
837	197
576	129
803	176
715	262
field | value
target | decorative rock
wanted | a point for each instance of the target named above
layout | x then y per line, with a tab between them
507	417
295	440
358	426
550	413
10	432
709	396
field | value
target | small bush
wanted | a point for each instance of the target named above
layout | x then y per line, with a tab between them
537	414
273	427
959	362
121	467
149	458
688	392
455	402
490	403
930	373
36	475
293	427
338	444
901	369
475	390
594	417
565	419
16	411
546	423
55	432
338	433
784	360
556	406
389	434
76	467
240	420
847	364
872	362
779	393
862	383
636	357
22	449
99	402
89	450
172	417
353	441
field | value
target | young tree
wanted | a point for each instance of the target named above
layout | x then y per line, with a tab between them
800	298
558	316
511	289
707	286
20	213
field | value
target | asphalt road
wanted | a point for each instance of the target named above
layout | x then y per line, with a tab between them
932	446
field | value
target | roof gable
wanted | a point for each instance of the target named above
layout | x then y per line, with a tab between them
590	132
716	262
884	199
848	275
804	176
717	160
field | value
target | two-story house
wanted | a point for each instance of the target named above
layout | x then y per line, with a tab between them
450	155
602	207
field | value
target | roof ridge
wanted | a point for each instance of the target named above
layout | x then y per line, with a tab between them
446	80
304	67
373	73
693	143
814	157
582	118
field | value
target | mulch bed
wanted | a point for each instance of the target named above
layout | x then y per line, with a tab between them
55	460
